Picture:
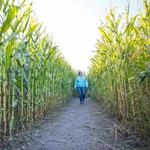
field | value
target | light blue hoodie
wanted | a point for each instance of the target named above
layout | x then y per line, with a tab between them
81	82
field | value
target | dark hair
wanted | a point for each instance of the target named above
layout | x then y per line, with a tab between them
80	73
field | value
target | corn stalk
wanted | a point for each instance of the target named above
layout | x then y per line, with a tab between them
30	69
119	72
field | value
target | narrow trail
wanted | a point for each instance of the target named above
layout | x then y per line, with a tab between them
73	127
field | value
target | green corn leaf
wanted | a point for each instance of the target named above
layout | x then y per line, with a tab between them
5	6
10	16
130	26
104	34
33	26
26	15
26	24
20	21
1	3
13	35
9	51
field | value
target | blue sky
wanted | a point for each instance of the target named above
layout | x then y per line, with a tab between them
74	25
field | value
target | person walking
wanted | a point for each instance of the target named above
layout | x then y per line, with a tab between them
81	85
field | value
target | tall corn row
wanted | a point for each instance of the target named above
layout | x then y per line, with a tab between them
120	70
34	77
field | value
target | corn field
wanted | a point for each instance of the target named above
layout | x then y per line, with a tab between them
120	69
34	76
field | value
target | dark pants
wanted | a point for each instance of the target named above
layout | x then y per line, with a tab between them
81	91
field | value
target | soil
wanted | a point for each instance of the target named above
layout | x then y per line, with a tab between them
76	126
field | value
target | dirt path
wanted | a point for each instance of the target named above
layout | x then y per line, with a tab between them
74	127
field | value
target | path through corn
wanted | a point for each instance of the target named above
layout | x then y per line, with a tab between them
74	127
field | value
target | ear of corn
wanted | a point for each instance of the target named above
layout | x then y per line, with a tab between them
119	72
34	76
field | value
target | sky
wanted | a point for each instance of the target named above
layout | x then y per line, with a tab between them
74	25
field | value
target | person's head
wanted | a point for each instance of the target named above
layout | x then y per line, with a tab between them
80	73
